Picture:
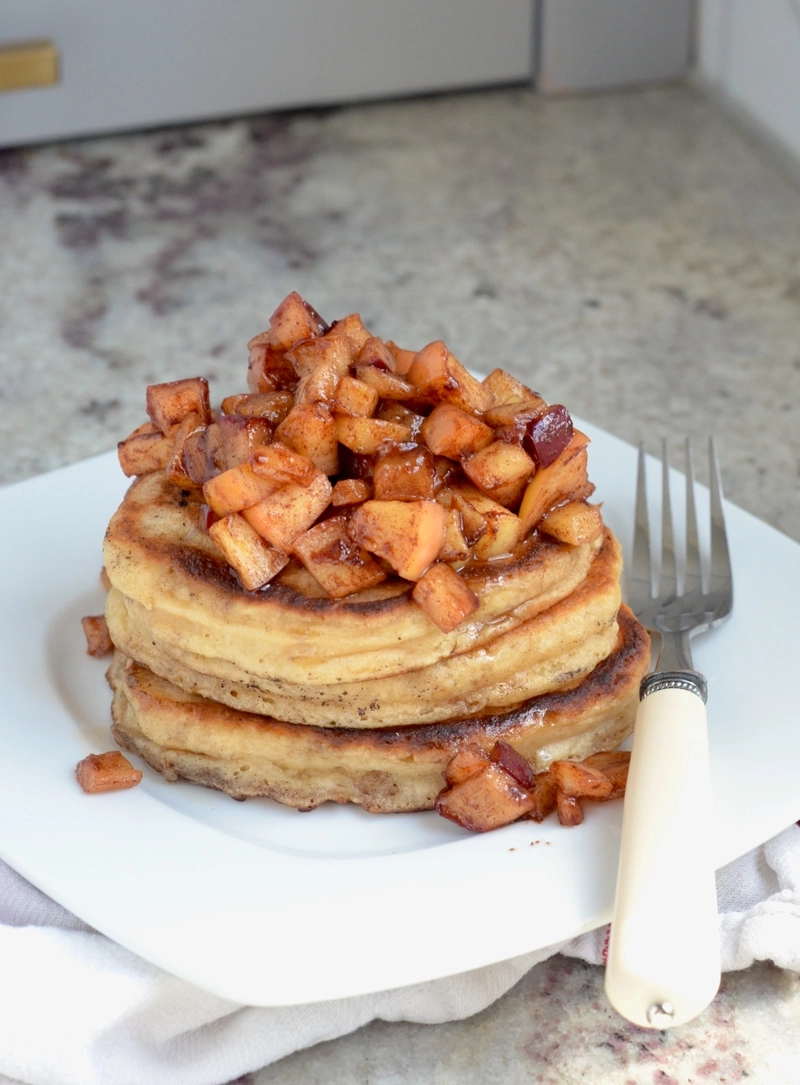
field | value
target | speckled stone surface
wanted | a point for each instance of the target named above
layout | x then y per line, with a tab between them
631	255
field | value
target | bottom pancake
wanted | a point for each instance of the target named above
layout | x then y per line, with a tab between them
384	770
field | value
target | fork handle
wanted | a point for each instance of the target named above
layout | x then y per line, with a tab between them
663	964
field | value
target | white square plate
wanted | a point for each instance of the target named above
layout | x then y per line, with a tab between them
267	906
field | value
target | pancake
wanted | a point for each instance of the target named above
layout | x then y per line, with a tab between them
325	589
384	770
546	617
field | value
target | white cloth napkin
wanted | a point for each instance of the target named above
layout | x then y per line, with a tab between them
77	1009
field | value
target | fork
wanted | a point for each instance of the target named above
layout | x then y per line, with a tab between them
663	965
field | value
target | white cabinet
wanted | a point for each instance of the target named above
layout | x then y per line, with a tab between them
135	63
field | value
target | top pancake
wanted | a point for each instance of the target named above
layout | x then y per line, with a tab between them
546	617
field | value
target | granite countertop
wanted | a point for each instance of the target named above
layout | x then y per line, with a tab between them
630	254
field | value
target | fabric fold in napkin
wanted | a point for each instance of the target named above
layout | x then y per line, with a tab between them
77	1009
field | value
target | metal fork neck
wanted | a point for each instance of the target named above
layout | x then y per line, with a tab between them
675	654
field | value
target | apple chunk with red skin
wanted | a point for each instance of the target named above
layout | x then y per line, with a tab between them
407	534
547	436
444	596
564	480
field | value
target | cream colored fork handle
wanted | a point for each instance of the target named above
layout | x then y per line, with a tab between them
663	951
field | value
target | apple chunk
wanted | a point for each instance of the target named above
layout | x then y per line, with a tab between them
507	389
441	377
575	523
285	514
500	529
99	772
294	319
255	562
500	471
309	429
464	763
338	564
351	491
487	799
168	404
236	489
355	398
449	431
366	435
407	534
564	480
404	474
144	451
444	597
280	465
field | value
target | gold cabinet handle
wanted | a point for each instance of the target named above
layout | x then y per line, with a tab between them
28	64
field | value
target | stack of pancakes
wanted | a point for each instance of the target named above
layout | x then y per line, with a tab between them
289	694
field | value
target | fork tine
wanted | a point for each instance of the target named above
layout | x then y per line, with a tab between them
692	580
668	583
641	574
720	577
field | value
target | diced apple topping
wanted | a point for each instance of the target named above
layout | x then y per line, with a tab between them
575	523
375	352
188	431
439	375
513	762
510	420
444	596
464	763
455	547
268	368
273	406
389	386
407	534
144	451
310	429
351	491
254	560
280	465
335	561
366	435
500	471
236	489
112	771
403	359
404	475
565	479
547	436
486	791
487	799
294	319
507	389
355	398
98	639
285	514
429	469
168	404
449	431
